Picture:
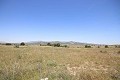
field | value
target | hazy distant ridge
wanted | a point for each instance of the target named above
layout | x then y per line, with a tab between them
61	42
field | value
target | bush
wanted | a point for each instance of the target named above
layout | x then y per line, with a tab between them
118	52
40	44
49	44
106	46
98	46
103	51
65	46
57	45
22	44
51	63
117	46
8	44
87	46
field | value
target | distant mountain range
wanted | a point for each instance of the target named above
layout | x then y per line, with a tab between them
61	42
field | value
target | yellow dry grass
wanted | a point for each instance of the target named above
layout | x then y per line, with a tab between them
56	63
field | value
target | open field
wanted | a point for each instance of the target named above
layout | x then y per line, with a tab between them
59	63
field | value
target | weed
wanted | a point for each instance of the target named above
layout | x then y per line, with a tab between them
51	63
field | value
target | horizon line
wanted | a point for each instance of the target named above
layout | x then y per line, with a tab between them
58	41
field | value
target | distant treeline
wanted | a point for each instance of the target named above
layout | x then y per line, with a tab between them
59	45
56	45
22	43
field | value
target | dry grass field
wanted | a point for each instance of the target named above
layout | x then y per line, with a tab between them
58	63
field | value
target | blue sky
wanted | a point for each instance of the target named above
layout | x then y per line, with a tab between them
92	21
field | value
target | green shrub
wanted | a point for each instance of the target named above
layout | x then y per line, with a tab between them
8	44
64	76
22	43
51	63
60	75
64	46
87	46
57	45
106	46
49	44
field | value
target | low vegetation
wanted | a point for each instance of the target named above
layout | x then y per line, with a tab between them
56	63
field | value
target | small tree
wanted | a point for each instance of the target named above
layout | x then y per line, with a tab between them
22	43
48	44
106	46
